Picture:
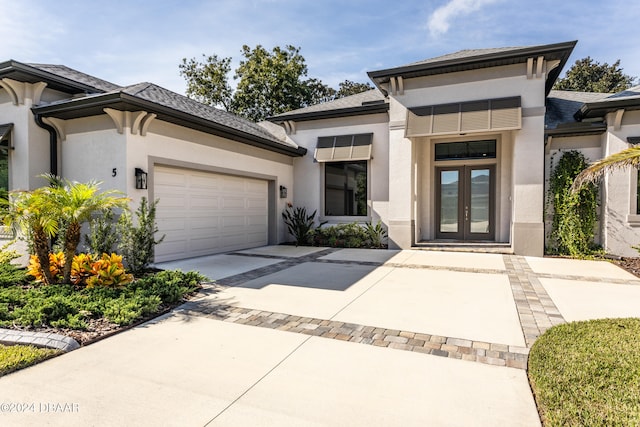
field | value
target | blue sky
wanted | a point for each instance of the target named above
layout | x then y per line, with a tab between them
129	41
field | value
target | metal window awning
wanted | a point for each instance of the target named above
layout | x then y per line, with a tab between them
344	147
465	117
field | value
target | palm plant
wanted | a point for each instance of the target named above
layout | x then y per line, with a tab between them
74	203
623	159
34	213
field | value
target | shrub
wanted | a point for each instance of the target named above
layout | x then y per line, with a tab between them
102	236
64	306
299	223
108	271
137	243
352	235
125	310
82	268
56	264
41	310
170	285
376	234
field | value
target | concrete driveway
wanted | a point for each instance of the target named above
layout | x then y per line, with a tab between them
314	336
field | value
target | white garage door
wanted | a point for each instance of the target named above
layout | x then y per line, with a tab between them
204	213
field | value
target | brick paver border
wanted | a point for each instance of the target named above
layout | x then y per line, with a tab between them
455	348
536	311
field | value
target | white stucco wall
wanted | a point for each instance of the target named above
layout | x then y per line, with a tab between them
30	157
93	148
620	223
521	188
308	174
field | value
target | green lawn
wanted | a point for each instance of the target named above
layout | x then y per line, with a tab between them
16	357
588	373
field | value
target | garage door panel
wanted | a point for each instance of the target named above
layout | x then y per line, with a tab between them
204	202
230	202
203	213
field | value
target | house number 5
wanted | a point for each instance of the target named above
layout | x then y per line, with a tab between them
114	172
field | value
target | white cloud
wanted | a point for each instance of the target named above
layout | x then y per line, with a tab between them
441	18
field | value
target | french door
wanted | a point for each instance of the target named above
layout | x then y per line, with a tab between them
465	203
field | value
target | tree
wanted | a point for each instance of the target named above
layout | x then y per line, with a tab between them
34	213
207	80
269	82
587	75
348	88
73	204
59	209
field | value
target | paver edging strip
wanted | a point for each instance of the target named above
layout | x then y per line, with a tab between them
38	339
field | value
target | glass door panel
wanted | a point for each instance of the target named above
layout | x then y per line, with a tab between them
449	198
479	200
465	203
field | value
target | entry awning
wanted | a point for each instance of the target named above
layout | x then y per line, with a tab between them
465	117
344	147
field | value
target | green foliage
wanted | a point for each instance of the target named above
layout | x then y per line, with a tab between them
348	88
299	223
58	211
170	285
588	373
128	308
10	274
102	236
137	242
574	213
16	357
207	81
376	235
64	306
351	235
269	82
587	75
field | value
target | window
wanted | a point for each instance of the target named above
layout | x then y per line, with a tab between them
466	150
345	188
5	147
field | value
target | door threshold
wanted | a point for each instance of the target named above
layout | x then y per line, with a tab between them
458	246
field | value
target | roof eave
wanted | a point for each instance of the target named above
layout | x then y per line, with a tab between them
332	114
481	61
118	100
593	129
602	108
53	80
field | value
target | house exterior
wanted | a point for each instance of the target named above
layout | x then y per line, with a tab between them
452	151
217	176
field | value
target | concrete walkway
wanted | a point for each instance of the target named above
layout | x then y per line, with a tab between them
313	336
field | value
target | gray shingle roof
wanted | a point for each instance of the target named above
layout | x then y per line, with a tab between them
167	98
354	101
465	54
176	103
629	93
563	104
77	76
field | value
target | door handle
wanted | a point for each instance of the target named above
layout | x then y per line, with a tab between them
466	213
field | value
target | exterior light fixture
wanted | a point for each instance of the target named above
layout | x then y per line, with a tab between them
283	192
141	179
